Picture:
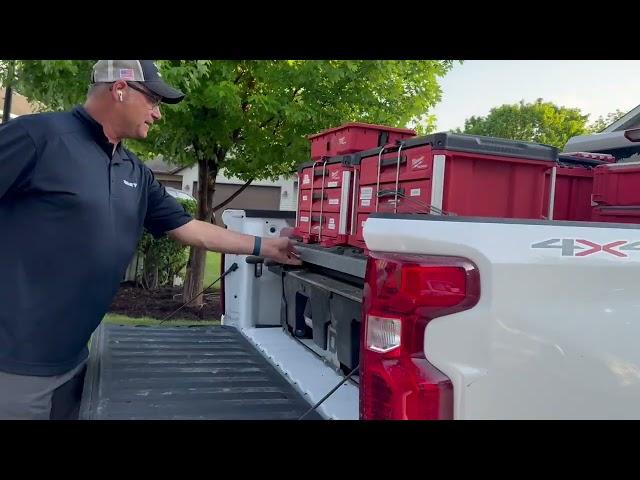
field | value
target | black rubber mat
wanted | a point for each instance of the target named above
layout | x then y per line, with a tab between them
178	373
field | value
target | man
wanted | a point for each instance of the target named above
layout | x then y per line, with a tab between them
73	204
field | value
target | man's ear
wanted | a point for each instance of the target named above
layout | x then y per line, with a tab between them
117	90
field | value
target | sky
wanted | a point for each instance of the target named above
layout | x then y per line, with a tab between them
597	87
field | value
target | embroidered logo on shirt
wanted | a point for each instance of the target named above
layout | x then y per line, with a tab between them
129	184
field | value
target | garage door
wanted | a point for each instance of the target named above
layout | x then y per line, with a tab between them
253	197
177	184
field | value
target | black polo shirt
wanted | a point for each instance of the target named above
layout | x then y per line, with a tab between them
71	214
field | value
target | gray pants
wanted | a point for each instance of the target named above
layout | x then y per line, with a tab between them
24	397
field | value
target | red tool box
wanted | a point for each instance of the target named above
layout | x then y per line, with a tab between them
452	173
324	201
354	137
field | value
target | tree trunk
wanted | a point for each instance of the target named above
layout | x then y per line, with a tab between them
207	173
8	93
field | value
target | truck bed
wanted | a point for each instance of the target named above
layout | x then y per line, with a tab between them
196	373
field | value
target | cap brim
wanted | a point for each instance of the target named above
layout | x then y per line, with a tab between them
168	94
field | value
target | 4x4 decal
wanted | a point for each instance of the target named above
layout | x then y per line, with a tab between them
579	247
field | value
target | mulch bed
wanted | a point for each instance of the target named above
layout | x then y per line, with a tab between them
138	302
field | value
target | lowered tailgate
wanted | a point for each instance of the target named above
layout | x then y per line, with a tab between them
183	374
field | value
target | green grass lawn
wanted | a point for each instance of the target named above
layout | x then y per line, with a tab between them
212	269
151	322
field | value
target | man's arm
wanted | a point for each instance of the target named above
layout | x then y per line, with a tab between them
17	157
165	215
212	237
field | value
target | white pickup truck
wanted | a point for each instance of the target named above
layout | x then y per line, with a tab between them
439	317
450	318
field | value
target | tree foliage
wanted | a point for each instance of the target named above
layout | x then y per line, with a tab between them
251	118
540	122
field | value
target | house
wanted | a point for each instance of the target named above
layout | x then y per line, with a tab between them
261	194
19	105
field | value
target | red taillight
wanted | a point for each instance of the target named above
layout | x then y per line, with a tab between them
434	286
402	294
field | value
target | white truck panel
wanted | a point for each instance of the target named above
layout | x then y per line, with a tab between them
252	300
555	333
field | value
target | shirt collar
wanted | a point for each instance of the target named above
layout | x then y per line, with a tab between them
97	132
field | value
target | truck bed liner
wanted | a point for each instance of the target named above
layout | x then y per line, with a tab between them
183	374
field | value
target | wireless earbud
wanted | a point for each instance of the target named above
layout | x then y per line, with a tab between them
120	95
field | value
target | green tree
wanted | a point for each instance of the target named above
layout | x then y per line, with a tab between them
603	122
53	84
541	122
251	118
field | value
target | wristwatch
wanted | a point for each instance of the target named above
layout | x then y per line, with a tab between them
256	246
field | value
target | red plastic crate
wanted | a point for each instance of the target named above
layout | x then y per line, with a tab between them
328	221
414	197
331	202
480	185
616	214
572	199
332	175
354	137
617	184
415	163
484	186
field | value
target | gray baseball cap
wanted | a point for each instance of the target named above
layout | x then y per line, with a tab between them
143	71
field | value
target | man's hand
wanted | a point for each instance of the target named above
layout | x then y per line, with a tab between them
217	239
281	250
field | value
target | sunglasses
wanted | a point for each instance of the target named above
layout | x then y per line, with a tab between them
155	99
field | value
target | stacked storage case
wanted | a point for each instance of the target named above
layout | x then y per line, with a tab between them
324	201
325	183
